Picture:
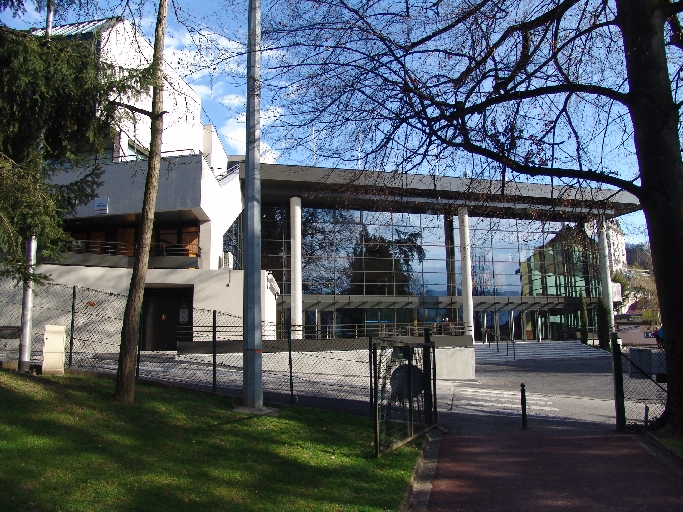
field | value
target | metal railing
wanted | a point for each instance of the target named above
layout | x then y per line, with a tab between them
129	249
375	329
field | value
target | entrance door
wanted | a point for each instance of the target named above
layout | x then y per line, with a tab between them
166	317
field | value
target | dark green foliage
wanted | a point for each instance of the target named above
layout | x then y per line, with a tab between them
53	98
56	109
603	325
583	318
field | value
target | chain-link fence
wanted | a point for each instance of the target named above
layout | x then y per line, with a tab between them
643	377
192	347
404	391
640	385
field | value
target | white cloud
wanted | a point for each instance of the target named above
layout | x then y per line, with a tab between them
208	92
202	53
232	100
235	136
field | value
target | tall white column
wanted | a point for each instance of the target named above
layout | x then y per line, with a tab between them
466	267
605	276
297	314
27	311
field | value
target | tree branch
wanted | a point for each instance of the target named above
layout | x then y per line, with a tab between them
557	172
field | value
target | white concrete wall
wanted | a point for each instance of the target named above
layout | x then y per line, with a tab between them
186	183
123	46
213	150
213	289
220	202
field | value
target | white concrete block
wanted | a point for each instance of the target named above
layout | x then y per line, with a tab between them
455	363
53	350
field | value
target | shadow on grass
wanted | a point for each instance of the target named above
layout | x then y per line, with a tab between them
66	445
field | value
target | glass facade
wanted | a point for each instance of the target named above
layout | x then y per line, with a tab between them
355	252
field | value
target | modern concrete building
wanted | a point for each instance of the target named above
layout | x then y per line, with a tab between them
372	252
345	252
198	199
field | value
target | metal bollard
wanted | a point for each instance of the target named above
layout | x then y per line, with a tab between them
646	420
523	406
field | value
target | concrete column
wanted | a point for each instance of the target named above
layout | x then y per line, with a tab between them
511	322
605	276
297	314
27	311
466	267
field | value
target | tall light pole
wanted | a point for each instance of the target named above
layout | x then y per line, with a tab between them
252	382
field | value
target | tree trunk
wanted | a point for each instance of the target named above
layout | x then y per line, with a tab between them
125	375
655	119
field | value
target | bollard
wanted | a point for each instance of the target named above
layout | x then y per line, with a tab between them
646	420
523	406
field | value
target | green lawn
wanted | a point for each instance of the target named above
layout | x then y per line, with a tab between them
65	445
674	443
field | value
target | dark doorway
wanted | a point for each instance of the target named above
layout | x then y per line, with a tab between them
166	318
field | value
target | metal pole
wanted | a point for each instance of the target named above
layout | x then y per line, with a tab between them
291	378
433	348
523	406
410	391
214	350
252	376
372	395
73	325
27	310
137	363
375	414
617	370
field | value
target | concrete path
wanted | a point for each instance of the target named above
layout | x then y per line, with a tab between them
570	457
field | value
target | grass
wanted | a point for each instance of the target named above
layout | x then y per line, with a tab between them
65	445
674	443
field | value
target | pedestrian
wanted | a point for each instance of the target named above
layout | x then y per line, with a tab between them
659	335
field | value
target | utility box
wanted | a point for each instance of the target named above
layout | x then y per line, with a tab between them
53	350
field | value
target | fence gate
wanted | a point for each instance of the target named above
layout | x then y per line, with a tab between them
640	378
403	391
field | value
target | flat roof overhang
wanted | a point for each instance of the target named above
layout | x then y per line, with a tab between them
416	193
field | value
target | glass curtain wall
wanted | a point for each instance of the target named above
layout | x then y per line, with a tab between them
353	252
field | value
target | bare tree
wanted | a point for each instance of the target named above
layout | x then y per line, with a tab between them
125	375
575	90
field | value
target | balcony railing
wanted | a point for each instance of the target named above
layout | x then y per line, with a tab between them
128	249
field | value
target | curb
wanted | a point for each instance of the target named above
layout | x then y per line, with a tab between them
420	484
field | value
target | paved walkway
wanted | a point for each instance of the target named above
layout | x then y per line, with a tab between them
569	459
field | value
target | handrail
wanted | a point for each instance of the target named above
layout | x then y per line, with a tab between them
128	249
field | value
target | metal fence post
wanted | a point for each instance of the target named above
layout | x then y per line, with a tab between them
376	408
291	378
433	349
214	351
372	394
73	325
411	411
137	364
617	370
427	377
523	399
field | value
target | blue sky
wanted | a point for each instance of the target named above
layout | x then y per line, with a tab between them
200	57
